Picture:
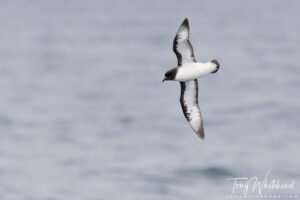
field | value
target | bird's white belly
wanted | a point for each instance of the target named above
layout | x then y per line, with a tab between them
193	71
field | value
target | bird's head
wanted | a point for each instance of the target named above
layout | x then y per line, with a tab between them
170	75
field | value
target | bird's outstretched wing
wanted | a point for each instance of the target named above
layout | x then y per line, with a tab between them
182	46
190	107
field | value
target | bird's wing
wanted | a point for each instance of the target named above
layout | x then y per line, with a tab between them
190	107
182	46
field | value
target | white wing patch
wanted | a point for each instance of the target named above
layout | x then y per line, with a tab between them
190	107
182	46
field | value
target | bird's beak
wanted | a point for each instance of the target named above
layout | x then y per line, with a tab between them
164	79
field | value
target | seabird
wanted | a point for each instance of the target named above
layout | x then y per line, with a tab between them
187	72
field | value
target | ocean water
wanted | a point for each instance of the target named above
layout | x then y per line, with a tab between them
84	114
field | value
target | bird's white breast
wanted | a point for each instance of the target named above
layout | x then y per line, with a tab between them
190	71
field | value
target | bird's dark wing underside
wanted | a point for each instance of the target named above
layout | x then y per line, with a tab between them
182	46
190	107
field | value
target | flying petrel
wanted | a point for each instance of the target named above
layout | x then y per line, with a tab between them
187	72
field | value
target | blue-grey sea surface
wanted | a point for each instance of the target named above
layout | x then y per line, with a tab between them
84	114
